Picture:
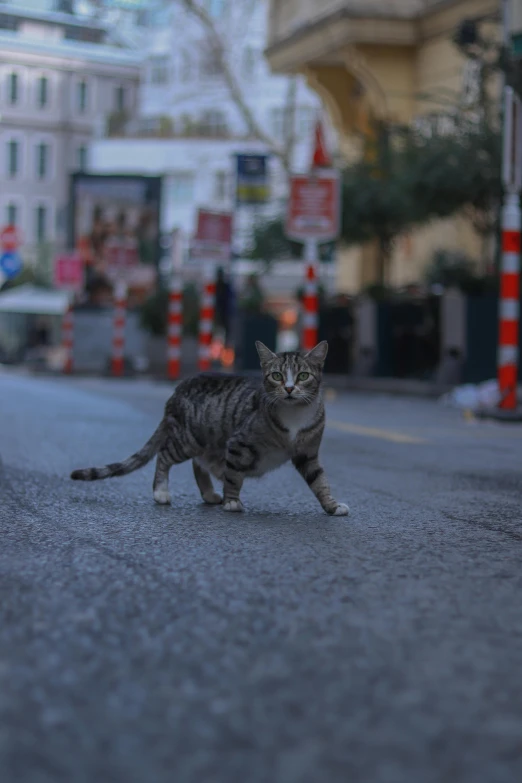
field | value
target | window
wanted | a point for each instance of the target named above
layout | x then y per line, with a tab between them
81	160
43	92
119	99
41	223
13	158
42	161
210	63
12	215
186	67
13	89
249	62
159	70
82	97
182	187
213	123
216	8
220	186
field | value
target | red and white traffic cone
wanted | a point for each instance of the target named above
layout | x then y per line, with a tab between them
175	326
509	307
206	318
310	299
118	334
68	340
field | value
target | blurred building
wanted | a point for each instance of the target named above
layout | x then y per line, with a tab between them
190	129
394	60
62	80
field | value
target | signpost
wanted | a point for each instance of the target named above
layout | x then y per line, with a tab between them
68	272
252	183
10	261
509	303
313	217
213	240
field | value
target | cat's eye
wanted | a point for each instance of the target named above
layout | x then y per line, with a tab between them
303	376
277	376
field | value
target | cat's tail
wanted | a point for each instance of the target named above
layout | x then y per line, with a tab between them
138	460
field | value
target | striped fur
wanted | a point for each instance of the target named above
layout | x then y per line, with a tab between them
234	428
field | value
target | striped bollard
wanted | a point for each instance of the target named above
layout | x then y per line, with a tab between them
509	303
206	318
68	340
310	299
175	326
118	334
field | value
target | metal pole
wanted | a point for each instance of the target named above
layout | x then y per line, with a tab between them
206	318
310	300
509	301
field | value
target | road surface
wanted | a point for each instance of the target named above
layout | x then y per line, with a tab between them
141	644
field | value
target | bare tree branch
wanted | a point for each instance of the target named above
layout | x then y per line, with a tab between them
284	153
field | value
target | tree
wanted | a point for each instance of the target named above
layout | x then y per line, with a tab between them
215	39
411	178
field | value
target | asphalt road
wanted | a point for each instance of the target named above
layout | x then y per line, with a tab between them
141	644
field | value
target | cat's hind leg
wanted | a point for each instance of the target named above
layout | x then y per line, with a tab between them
160	485
204	482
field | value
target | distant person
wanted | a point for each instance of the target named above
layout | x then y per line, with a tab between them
224	303
252	298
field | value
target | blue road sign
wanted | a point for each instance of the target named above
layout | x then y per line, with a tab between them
10	264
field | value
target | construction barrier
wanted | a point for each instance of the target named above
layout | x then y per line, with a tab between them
68	340
118	333
174	327
206	318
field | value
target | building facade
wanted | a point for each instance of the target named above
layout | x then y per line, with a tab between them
394	61
60	83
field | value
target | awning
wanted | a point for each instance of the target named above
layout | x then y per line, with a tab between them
33	300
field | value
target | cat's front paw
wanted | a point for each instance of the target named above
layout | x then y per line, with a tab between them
340	510
162	497
233	505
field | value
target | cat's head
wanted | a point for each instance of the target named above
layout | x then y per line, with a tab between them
292	378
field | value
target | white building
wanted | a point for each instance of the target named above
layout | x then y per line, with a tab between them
60	81
185	99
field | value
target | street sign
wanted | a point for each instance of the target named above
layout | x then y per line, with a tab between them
320	156
252	184
314	207
10	264
68	272
10	238
213	239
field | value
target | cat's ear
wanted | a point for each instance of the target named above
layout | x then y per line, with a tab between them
265	354
318	354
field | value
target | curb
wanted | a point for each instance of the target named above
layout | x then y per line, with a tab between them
497	414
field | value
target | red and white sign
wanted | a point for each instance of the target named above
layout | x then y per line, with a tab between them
10	239
320	155
314	207
213	239
68	272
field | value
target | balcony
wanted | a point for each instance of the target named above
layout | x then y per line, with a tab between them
318	27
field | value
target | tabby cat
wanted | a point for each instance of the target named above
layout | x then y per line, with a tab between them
235	428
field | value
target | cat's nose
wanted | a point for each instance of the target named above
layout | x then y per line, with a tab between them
289	389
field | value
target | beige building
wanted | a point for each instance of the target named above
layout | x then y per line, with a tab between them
394	60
